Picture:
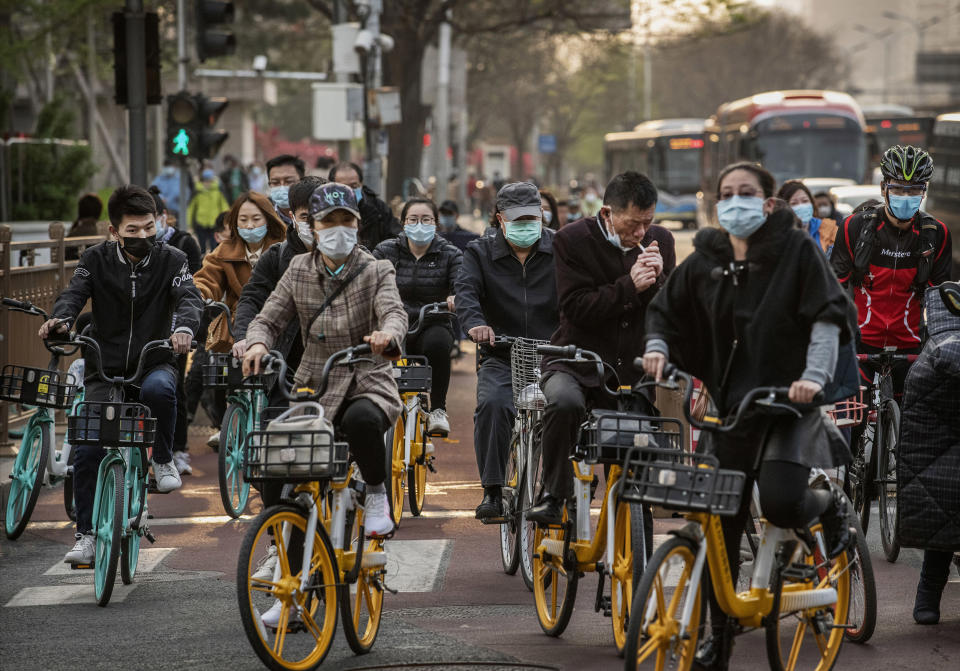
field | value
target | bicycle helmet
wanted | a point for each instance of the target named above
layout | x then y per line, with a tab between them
950	293
906	163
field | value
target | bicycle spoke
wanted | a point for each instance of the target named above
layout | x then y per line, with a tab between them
821	643
797	642
650	646
661	660
661	606
282	630
311	624
678	590
553	591
281	549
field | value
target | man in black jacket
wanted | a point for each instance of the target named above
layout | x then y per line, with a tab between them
140	290
506	287
377	222
609	267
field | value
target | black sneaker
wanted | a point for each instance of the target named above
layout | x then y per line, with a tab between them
548	511
491	505
837	531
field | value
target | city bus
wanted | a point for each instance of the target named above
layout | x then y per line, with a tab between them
793	134
943	198
888	125
668	152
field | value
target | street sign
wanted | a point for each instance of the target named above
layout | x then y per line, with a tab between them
547	144
938	67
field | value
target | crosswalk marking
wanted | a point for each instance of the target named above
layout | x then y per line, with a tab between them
417	566
149	558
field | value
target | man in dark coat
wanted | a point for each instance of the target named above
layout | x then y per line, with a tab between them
609	267
928	465
377	222
450	229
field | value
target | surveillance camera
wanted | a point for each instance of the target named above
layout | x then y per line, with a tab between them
260	63
386	43
363	8
363	42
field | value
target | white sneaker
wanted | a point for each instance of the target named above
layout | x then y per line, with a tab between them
271	618
214	440
182	461
167	477
84	550
267	565
437	423
376	514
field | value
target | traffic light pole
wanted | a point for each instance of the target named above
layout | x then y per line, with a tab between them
182	60
136	90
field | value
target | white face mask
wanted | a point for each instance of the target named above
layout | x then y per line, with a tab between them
305	233
336	242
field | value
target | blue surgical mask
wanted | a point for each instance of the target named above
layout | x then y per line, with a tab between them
522	233
169	171
612	238
804	212
358	192
741	216
280	197
253	234
448	221
420	234
547	217
904	207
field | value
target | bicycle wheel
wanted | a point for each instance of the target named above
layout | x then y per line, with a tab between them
862	614
860	474
510	530
887	482
803	636
628	563
554	585
300	640
136	488
108	523
26	478
417	471
654	629
234	490
395	469
361	603
528	529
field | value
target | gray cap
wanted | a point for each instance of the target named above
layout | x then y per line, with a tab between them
519	199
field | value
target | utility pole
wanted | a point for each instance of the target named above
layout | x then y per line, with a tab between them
182	61
441	113
373	77
340	16
137	89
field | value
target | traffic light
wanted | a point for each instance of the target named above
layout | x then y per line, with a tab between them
191	120
210	139
210	41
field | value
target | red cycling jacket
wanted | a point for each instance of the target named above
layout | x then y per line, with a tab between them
889	310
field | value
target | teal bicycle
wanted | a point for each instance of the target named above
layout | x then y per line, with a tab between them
38	462
126	431
245	405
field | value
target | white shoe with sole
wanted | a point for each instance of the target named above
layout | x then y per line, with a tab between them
267	565
182	461
376	513
84	550
438	423
167	477
214	440
271	618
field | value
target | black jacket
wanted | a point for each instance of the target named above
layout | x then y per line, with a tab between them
377	222
429	279
132	305
268	271
460	237
737	326
493	289
186	243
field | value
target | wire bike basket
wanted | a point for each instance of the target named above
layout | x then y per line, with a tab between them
413	374
222	370
294	448
112	425
607	436
37	386
525	374
684	481
849	412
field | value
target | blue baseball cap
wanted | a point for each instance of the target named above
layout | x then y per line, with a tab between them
333	196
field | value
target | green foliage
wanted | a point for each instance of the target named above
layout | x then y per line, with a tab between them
52	177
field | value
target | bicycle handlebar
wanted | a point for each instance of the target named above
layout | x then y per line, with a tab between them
346	357
574	354
29	308
887	357
86	341
431	310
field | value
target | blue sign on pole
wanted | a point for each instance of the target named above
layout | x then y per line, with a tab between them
547	144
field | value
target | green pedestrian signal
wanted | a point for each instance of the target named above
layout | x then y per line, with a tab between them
181	143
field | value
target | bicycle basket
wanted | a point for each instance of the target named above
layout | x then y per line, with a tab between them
221	370
295	448
524	372
848	412
413	374
679	480
37	386
607	436
112	425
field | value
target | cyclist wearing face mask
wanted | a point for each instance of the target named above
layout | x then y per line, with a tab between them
362	401
254	227
427	266
507	287
377	222
888	255
283	171
823	230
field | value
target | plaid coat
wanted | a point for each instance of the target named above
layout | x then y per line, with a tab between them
928	466
370	303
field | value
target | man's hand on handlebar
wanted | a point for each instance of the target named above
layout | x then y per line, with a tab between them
52	326
380	342
181	342
451	304
251	360
239	348
653	365
804	391
481	335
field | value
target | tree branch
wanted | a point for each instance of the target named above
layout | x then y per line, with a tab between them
322	7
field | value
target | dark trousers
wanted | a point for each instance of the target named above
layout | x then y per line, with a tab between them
435	343
493	420
205	238
158	391
214	400
180	430
562	417
936	568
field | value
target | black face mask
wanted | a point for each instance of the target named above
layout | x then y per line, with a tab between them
138	247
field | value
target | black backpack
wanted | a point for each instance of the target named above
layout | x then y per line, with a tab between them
867	240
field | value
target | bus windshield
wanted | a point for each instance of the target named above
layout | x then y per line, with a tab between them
797	146
681	173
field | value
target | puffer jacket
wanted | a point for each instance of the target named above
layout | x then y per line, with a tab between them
428	279
928	468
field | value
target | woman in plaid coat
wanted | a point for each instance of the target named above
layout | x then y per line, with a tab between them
362	400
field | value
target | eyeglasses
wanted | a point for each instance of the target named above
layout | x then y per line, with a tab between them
429	221
906	189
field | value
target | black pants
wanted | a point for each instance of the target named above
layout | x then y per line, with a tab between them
180	443
936	568
435	343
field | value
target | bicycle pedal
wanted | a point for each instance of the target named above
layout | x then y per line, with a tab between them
799	573
430	466
149	536
500	519
81	567
383	586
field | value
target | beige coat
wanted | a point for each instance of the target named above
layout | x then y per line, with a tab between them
371	302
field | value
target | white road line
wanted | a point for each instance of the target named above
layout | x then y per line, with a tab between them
58	595
417	566
148	561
